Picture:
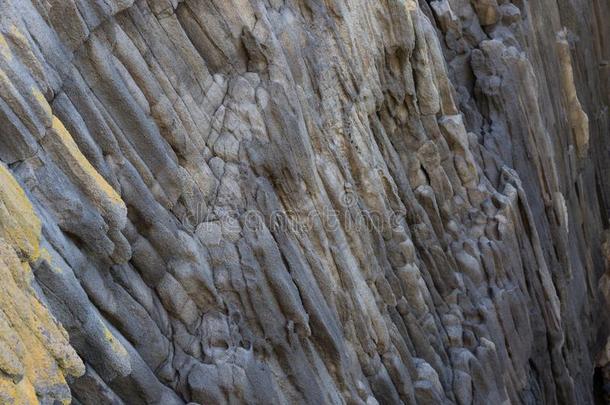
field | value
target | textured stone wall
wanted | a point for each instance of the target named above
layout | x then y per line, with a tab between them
304	201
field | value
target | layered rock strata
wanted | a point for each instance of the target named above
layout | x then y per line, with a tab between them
304	201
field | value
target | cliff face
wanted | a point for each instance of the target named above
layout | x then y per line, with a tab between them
304	201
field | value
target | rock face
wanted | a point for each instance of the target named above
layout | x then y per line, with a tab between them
304	201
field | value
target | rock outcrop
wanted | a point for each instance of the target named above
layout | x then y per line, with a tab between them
304	201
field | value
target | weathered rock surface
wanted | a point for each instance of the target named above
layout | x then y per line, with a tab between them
304	201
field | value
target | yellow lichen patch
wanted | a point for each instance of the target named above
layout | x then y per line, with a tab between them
117	347
25	276
36	353
42	103
15	33
82	166
410	5
26	392
9	362
5	51
19	224
22	49
40	366
28	107
40	354
21	393
11	95
46	256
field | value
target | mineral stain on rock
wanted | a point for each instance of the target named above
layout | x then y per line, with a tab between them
304	202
